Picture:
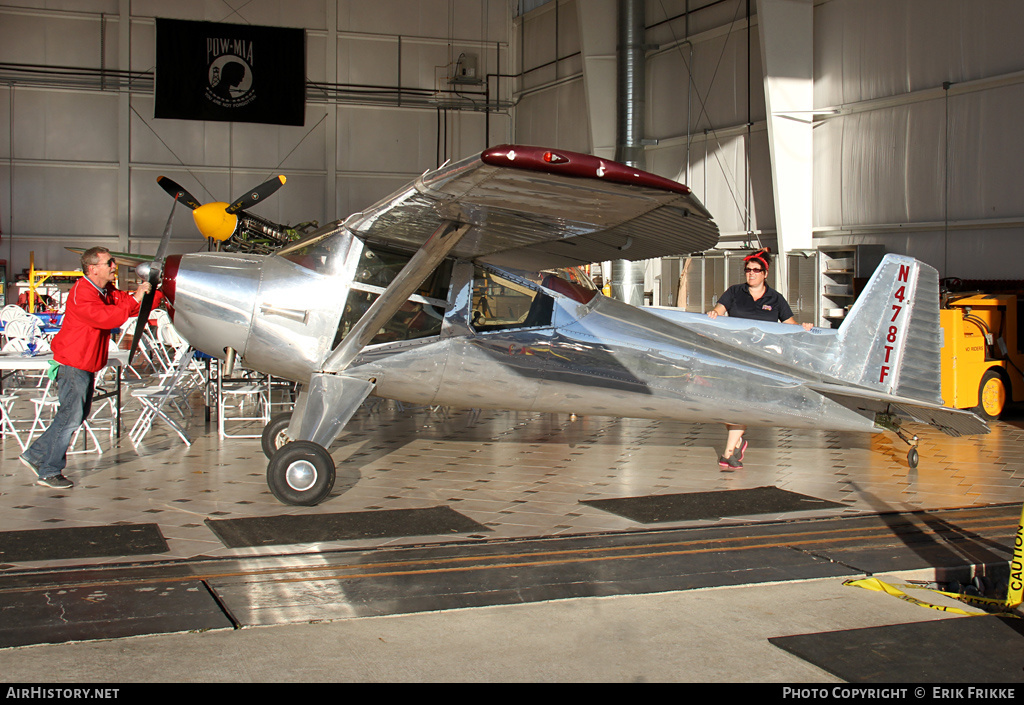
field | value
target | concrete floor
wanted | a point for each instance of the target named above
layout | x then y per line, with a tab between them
521	475
717	635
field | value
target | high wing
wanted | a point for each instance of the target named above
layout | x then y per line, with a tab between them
535	208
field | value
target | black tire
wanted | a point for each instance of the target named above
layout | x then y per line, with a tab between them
274	438
301	473
913	458
992	396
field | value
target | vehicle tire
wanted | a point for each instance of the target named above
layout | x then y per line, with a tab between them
991	396
913	458
274	434
301	473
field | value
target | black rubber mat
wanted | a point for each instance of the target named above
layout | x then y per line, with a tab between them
653	509
958	650
316	528
106	611
81	542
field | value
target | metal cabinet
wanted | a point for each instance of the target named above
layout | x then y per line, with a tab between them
804	285
843	272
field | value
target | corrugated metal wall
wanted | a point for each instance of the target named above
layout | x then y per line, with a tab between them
899	160
78	165
881	140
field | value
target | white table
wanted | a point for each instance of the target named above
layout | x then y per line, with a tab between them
15	361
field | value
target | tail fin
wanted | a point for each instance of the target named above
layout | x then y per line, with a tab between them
891	338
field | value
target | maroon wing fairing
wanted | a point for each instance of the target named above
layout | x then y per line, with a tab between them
565	163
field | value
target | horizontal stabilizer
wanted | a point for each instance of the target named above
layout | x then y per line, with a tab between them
952	422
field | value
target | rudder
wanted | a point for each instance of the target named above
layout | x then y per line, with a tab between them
891	339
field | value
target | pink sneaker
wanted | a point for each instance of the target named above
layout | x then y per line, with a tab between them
730	463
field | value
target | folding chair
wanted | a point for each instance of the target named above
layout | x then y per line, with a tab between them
166	340
12	312
26	377
127	328
7	427
26	328
155	399
149	348
21	344
253	389
47	403
102	416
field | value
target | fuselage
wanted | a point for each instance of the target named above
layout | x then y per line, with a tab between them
610	359
463	342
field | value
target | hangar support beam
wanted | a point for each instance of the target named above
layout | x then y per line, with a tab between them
787	55
598	36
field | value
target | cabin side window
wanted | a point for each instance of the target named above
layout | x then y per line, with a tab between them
419	317
500	303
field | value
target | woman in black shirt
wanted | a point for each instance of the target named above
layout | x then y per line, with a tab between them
756	300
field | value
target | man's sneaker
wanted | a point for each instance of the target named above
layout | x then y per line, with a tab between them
731	463
57	482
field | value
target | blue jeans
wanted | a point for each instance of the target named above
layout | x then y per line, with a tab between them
49	453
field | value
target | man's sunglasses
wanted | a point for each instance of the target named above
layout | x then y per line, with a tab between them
110	263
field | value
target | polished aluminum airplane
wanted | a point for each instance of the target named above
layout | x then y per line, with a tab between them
433	296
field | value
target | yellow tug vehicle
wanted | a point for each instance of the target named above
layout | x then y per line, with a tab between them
982	361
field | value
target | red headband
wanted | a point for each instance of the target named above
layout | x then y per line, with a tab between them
761	256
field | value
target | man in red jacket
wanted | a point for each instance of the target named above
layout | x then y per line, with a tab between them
94	307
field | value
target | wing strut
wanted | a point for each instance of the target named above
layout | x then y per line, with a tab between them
415	272
326	404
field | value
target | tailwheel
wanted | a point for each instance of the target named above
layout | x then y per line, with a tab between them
892	423
275	434
301	473
991	396
912	457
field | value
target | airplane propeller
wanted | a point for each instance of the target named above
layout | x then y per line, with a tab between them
152	272
177	192
218	220
256	195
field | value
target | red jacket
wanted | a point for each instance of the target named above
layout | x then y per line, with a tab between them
84	335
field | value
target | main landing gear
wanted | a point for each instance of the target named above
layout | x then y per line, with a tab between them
300	473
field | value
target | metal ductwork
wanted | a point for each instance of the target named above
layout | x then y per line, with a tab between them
627	278
631	94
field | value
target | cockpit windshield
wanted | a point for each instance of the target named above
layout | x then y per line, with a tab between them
321	250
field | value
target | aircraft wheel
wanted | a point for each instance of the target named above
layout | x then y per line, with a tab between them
275	434
991	396
301	473
913	458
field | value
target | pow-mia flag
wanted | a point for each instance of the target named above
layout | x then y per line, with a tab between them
238	73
